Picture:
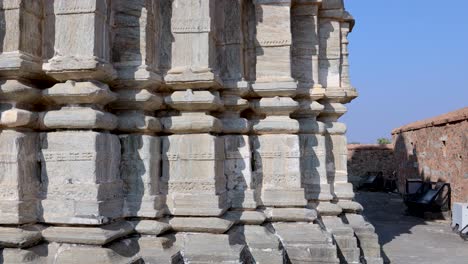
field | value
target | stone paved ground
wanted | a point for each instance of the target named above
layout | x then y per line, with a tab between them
408	239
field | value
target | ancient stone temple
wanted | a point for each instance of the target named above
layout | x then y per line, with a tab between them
177	131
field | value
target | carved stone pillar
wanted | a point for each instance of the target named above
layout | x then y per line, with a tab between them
19	177
193	156
82	53
21	28
194	52
276	148
80	167
305	51
334	25
20	63
136	31
277	153
345	80
237	165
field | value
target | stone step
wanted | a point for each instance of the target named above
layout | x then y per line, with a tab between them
306	243
20	237
208	248
264	246
88	235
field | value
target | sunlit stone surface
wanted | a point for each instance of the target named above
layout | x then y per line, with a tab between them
176	131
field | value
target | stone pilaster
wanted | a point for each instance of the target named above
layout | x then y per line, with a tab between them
193	156
82	53
335	24
136	34
345	80
80	161
21	49
305	51
193	49
275	147
80	167
237	165
20	62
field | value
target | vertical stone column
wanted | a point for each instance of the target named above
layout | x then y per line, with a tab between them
193	157
345	80
276	148
19	177
194	51
21	29
136	34
230	20
306	71
20	63
80	161
334	57
305	51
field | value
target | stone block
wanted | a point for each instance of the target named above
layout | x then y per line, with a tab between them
277	169
19	177
150	227
83	53
78	118
21	41
88	235
20	237
191	123
350	206
264	246
306	243
200	224
326	208
238	170
15	117
121	252
210	248
159	250
245	217
193	168
136	36
80	175
290	214
71	92
140	171
34	255
256	237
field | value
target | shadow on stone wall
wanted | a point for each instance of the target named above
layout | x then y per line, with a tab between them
371	160
387	211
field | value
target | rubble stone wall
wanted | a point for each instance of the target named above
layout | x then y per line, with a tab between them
370	159
177	131
435	149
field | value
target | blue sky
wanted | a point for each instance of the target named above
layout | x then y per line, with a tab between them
409	61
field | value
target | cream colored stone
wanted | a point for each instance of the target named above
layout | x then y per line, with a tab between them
245	217
20	237
151	227
88	235
80	175
19	177
193	169
291	214
200	224
211	112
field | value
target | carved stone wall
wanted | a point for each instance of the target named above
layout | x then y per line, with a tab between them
177	131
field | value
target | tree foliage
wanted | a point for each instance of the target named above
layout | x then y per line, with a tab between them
384	141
